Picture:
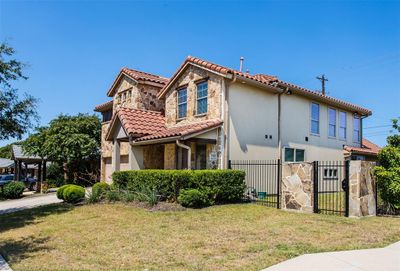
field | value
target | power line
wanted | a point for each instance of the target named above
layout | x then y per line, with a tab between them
378	126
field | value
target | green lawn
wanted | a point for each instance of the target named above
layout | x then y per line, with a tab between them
228	237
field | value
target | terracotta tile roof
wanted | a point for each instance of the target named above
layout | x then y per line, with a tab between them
367	147
183	130
141	122
138	76
267	80
103	107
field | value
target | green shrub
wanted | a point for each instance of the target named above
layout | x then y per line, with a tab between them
128	196
223	185
113	195
388	182
148	194
73	193
100	187
194	198
13	190
60	191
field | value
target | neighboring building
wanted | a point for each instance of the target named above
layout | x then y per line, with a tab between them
207	114
6	166
367	152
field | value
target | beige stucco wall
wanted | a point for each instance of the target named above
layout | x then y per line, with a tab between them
253	114
189	77
295	125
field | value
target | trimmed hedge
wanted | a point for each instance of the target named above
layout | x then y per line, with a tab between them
100	187
194	198
222	185
71	193
13	190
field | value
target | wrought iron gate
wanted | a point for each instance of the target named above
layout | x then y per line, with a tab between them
331	187
263	178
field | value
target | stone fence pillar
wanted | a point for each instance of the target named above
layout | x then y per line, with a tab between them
297	187
362	200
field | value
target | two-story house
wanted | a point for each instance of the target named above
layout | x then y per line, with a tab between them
207	114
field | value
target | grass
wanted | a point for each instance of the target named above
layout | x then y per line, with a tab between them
227	237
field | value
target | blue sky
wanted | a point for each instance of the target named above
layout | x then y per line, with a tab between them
75	49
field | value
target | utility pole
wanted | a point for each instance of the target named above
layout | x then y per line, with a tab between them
322	79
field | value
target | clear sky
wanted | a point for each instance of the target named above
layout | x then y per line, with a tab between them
76	49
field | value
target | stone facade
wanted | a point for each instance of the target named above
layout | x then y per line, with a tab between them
138	96
189	78
169	156
153	156
362	189
297	187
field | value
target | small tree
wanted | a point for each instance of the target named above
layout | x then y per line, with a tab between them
388	173
16	115
71	141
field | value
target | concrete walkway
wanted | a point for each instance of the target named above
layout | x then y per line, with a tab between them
377	259
14	205
3	265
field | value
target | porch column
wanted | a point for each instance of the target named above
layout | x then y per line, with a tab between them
116	156
136	157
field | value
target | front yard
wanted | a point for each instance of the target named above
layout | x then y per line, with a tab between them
228	237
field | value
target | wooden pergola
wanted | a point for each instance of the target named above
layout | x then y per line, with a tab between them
22	164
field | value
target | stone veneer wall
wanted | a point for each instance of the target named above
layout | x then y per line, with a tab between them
189	78
153	157
362	189
169	156
297	187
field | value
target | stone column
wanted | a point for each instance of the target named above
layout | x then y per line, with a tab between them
135	157
116	156
362	189
297	187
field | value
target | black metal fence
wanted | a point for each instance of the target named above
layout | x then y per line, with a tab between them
263	179
331	187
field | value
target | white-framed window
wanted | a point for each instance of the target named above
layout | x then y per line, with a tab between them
356	129
182	103
294	155
330	174
342	125
332	122
315	118
202	94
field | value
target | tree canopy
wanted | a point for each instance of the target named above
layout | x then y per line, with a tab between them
17	114
72	141
388	173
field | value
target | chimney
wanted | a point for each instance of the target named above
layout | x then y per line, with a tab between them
241	63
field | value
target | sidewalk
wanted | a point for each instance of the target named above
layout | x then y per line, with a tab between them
9	206
377	259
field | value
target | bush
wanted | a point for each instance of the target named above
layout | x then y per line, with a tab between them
100	187
73	193
388	182
60	191
113	195
13	190
222	185
148	194
194	198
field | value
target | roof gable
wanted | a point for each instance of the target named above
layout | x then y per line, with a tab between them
138	77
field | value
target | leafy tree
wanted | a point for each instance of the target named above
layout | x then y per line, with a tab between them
71	141
17	114
388	173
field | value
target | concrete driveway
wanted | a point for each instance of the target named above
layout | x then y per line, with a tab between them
377	259
14	205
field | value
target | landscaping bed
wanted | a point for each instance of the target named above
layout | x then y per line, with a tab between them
223	237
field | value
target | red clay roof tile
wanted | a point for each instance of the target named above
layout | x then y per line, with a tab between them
104	106
141	122
367	147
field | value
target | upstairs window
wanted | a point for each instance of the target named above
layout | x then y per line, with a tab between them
202	94
107	115
342	125
315	118
356	129
182	103
332	122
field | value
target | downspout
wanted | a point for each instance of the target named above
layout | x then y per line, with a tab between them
279	128
181	145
